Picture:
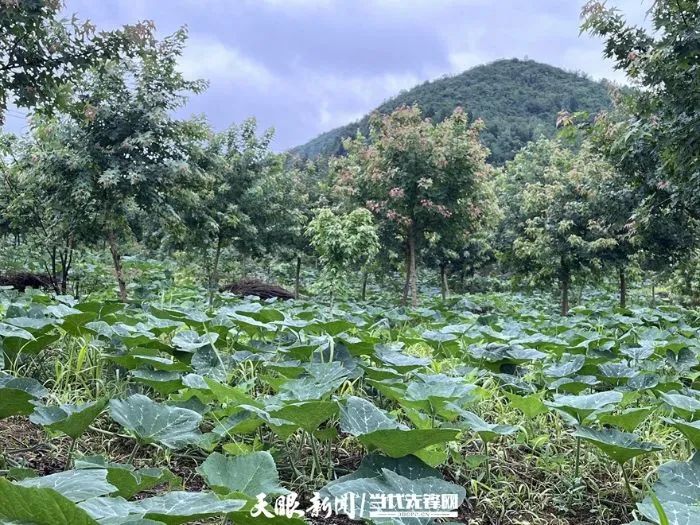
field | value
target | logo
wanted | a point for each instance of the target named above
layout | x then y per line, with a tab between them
362	505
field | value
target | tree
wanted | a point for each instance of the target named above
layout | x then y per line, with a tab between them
554	237
343	242
119	148
416	177
663	128
296	193
237	200
462	243
613	206
34	191
43	54
632	207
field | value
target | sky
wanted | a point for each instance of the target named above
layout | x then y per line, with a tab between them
307	66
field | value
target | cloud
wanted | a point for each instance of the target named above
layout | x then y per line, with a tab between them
212	60
306	66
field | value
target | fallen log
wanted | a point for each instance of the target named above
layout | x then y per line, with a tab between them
258	288
23	280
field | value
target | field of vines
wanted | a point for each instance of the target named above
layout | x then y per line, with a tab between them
292	411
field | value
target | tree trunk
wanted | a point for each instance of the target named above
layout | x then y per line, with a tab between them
365	278
214	277
444	285
52	270
297	278
406	284
117	260
623	288
653	294
412	274
66	262
565	282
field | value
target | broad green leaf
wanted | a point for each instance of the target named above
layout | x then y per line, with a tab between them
487	431
112	510
231	396
690	430
18	395
72	420
582	406
153	422
677	491
433	392
359	416
627	420
128	480
250	474
76	485
208	362
176	507
308	415
190	341
618	446
372	465
685	406
399	361
397	443
161	381
568	365
531	405
38	506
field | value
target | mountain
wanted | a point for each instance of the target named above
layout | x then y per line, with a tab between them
517	99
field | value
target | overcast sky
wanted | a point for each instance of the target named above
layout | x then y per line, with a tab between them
307	66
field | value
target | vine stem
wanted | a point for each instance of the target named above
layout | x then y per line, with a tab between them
627	482
130	461
578	458
314	452
488	462
71	450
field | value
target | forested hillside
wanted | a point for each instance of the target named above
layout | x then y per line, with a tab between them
518	100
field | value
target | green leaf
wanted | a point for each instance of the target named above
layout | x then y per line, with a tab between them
128	480
568	365
677	493
162	381
76	485
628	419
399	361
487	431
18	394
531	405
38	506
208	362
582	406
176	507
685	406
433	392
359	416
618	446
375	429
308	415
690	430
249	474
190	341
153	422
397	443
372	465
112	510
72	420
